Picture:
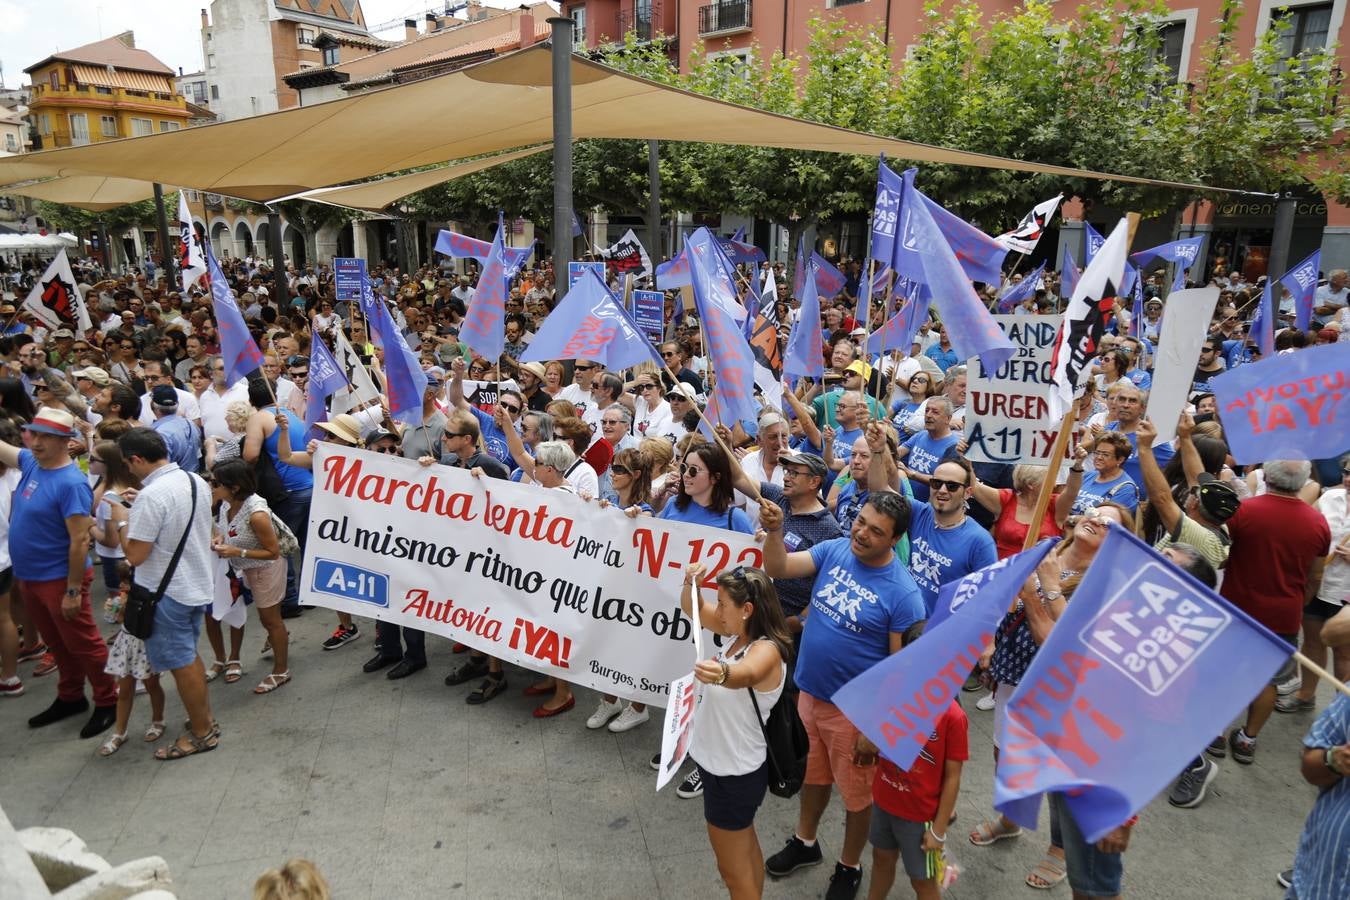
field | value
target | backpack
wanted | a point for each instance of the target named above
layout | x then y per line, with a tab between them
786	745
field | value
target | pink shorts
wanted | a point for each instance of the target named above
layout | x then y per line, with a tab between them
830	761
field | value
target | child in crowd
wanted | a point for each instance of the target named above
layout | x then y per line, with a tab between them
911	810
127	661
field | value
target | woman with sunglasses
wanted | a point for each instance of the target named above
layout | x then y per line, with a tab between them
705	495
631	472
651	413
729	747
247	537
1016	641
920	386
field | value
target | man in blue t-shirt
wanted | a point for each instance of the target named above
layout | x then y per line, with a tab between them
1130	404
49	552
863	601
922	452
494	439
848	412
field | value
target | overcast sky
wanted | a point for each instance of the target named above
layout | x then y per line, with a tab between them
170	29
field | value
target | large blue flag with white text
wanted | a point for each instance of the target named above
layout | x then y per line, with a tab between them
590	323
1288	406
923	253
897	702
404	380
238	350
1092	242
325	377
1302	283
886	213
1144	667
730	354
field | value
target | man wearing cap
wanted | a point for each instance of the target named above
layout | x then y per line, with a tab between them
1199	523
61	354
530	377
424	439
683	400
806	519
183	438
49	549
855	376
90	382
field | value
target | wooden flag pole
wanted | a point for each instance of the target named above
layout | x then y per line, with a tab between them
1321	673
717	438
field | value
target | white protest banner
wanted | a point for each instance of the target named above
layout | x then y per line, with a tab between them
1184	329
677	729
537	578
1007	415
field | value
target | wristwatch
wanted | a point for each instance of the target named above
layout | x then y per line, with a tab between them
1052	596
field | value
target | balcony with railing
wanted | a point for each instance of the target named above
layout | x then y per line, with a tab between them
724	18
643	20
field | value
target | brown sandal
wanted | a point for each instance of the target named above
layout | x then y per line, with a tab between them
195	745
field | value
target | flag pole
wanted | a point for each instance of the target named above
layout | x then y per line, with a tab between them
1321	673
1062	436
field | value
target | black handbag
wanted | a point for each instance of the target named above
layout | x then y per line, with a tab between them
786	745
138	613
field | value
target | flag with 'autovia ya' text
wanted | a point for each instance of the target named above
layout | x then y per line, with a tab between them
897	702
1144	667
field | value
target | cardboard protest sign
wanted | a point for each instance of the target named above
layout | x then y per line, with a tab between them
1007	415
537	578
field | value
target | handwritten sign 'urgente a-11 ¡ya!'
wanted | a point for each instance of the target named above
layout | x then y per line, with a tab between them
535	577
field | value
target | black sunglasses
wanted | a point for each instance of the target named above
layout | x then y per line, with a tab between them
511	408
951	486
391	449
451	434
621	470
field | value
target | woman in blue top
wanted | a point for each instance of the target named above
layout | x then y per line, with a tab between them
919	388
705	495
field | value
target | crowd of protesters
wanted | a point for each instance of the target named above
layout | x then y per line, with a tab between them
125	444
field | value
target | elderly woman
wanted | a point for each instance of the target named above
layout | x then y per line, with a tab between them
237	414
1107	480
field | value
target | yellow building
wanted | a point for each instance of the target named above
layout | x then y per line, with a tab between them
101	91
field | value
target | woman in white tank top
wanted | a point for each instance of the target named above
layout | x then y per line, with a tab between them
728	743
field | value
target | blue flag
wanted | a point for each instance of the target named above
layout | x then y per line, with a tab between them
590	323
799	268
1093	241
238	350
404	380
1143	669
673	273
886	213
484	325
923	253
880	280
730	354
829	280
899	330
897	702
1021	291
980	256
461	246
1262	330
1068	276
805	349
1182	252
576	225
325	377
1289	406
1302	283
1135	288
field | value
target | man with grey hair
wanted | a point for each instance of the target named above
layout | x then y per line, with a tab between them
923	452
1279	543
1130	404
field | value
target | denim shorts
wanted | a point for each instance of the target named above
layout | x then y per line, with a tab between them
1091	872
730	801
173	642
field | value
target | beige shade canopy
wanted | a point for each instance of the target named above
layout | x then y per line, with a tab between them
92	192
496	105
375	196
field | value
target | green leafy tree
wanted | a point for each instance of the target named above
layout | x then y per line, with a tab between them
82	222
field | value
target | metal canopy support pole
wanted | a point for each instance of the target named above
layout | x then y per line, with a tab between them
166	252
562	151
274	245
654	200
1281	236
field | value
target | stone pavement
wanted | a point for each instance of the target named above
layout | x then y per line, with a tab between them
400	790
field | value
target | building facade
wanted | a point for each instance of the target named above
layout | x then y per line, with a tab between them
1240	230
102	91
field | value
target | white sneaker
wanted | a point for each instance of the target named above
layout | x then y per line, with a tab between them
628	719
603	713
11	687
1285	688
985	703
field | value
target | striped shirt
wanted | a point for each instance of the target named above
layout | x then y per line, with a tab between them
1322	866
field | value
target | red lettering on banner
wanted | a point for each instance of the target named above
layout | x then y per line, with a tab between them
538	526
1017	406
541	642
419	603
344	475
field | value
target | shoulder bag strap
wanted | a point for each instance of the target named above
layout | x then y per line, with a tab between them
182	542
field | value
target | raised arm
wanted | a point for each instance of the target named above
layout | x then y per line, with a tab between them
778	563
881	471
1064	501
513	442
1155	482
456	393
984	495
1190	457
